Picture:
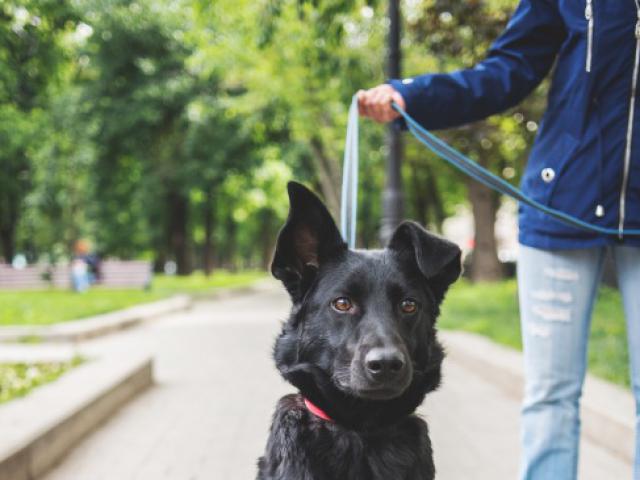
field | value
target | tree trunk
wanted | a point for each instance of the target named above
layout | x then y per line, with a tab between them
436	208
178	231
209	221
420	202
485	266
8	223
427	202
268	239
159	261
228	260
7	239
329	175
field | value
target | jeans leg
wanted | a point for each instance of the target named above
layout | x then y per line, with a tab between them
628	267
556	291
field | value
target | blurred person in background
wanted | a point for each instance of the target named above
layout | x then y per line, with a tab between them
85	266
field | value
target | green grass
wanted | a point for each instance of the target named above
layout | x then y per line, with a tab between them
18	379
199	283
492	310
44	307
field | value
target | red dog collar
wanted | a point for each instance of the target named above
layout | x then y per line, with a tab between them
317	411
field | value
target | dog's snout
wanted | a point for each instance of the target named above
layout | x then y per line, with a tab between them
384	363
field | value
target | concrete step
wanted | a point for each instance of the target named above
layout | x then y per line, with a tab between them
38	430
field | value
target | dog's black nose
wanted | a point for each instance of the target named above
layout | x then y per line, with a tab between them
384	363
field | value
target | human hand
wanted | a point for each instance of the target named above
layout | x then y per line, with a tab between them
375	103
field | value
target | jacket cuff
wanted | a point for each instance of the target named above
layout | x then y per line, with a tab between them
414	96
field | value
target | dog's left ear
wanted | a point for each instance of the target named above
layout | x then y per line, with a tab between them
308	238
438	259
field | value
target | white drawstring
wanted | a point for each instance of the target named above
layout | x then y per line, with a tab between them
588	14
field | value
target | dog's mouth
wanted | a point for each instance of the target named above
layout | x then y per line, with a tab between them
369	391
380	393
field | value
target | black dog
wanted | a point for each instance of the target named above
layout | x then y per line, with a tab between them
360	346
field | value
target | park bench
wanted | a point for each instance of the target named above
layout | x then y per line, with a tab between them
114	274
34	276
125	274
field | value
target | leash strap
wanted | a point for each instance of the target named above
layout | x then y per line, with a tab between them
349	199
484	176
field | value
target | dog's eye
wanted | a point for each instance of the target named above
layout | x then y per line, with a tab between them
409	305
342	304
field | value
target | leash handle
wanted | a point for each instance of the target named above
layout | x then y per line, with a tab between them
349	197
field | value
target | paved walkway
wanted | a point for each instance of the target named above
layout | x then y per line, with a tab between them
208	415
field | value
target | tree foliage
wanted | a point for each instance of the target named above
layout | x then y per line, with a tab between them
30	59
167	129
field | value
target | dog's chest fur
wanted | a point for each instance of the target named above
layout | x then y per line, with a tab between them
304	447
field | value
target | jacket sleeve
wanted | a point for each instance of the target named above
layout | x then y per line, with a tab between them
516	63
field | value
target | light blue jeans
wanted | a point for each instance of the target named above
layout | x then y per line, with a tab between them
557	290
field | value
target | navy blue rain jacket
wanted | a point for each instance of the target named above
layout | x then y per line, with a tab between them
578	163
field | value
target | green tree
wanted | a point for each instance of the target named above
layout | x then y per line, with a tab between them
167	129
166	137
57	210
311	57
30	57
218	144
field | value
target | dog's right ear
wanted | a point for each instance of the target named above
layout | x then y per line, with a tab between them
308	238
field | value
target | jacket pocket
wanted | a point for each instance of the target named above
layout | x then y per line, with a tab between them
548	164
577	190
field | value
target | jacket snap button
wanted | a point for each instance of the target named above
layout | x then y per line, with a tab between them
599	211
548	174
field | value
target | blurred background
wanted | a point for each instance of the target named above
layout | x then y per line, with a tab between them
145	147
167	130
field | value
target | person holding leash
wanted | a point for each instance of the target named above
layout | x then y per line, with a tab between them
586	162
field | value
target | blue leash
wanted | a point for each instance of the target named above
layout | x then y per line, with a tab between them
349	201
453	157
484	176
